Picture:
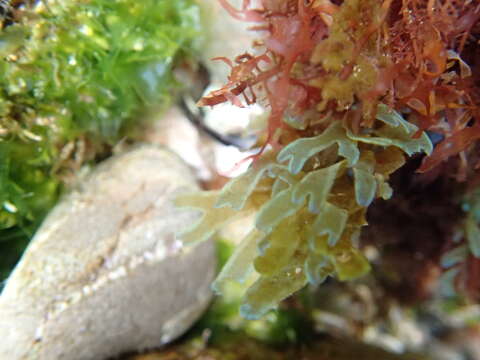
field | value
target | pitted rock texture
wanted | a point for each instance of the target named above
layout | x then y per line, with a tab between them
104	274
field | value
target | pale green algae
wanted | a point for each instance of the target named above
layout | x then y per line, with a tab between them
308	219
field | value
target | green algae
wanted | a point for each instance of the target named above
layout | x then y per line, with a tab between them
308	229
76	76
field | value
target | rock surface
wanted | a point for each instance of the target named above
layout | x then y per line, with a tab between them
104	274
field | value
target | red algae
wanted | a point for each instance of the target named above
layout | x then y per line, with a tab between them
323	57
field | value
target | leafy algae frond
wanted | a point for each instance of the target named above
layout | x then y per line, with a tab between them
308	230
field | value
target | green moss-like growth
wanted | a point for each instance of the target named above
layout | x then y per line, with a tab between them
75	77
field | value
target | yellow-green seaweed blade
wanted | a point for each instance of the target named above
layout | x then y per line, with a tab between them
365	187
211	220
330	221
275	210
317	268
237	191
396	132
316	185
350	263
268	291
240	264
281	246
299	151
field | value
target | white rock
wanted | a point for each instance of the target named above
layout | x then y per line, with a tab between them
104	273
174	131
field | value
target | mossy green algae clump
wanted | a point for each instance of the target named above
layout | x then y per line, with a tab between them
76	75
